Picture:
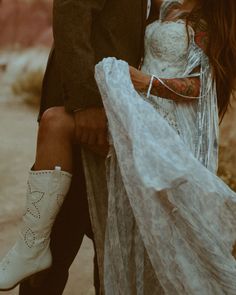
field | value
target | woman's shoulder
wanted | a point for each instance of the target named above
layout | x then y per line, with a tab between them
200	28
201	34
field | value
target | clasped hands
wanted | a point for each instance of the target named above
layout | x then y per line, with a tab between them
91	124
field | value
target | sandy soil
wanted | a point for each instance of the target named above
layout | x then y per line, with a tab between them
17	145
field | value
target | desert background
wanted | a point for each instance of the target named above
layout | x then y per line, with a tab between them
25	41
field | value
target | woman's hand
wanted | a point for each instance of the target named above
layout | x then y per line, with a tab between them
140	80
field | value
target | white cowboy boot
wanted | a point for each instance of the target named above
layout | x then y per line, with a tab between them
31	253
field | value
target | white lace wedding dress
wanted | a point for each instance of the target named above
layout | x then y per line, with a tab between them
171	222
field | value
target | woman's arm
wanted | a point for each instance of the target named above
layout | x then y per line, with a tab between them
189	87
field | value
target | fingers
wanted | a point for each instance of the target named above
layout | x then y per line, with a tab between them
102	138
90	137
78	133
84	137
99	150
96	143
91	129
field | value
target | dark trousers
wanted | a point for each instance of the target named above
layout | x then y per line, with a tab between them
71	225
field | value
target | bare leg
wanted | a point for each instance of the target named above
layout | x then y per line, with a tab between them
45	195
55	140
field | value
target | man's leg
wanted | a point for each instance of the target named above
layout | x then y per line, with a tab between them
68	231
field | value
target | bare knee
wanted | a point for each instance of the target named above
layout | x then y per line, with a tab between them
56	122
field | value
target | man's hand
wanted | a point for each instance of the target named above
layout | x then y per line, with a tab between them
91	129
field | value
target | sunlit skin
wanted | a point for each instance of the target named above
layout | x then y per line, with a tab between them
59	131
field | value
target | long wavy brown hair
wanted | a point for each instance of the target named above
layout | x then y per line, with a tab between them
220	16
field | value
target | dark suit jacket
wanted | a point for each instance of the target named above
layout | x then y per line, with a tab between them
86	31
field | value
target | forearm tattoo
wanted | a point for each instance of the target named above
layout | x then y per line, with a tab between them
184	87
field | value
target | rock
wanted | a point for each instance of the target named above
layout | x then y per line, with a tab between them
25	23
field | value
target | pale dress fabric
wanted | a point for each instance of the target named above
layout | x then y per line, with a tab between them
171	222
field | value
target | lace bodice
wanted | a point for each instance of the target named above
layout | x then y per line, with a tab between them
166	49
171	52
166	56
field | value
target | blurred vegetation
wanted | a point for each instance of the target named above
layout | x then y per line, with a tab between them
28	86
24	74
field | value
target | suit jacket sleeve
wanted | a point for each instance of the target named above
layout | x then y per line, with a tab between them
72	26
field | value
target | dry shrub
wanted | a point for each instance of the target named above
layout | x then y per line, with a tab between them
25	74
28	86
227	163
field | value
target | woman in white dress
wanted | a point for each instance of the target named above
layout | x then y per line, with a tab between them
171	224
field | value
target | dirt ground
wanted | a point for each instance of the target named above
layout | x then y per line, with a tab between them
17	146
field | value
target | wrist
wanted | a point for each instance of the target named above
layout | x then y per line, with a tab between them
150	85
153	85
89	108
147	82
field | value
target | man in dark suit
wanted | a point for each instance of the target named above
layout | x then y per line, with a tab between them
84	33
